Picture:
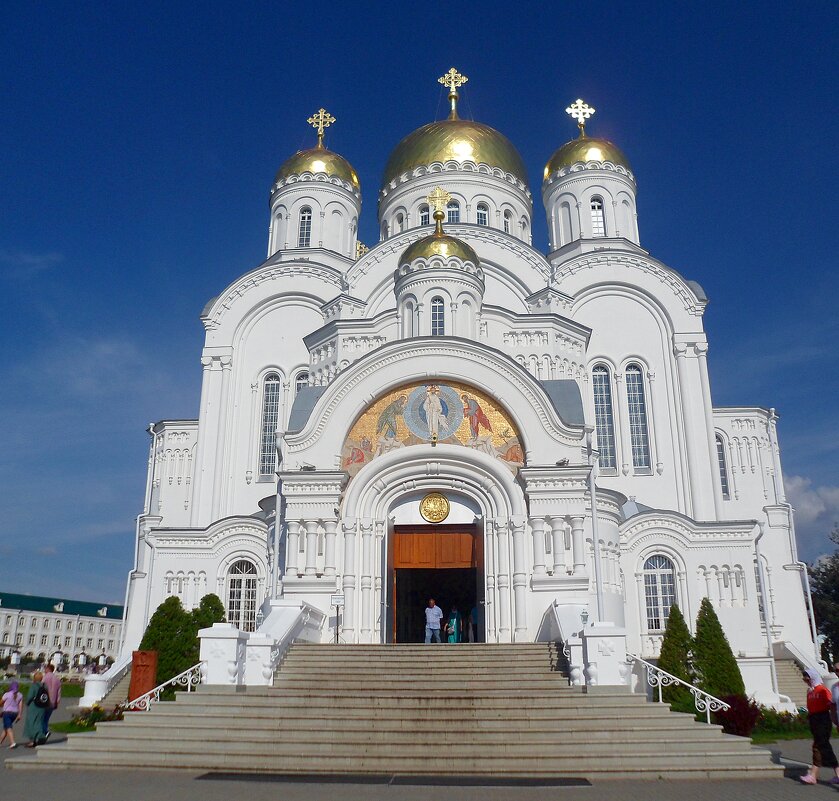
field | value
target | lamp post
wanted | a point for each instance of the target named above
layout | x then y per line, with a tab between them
592	456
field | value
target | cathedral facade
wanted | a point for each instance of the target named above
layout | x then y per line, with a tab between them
454	414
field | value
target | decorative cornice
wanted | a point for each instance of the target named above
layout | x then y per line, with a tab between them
468	167
310	177
584	166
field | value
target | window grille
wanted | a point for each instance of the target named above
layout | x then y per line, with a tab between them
638	429
508	218
726	494
304	236
241	595
598	221
659	591
270	414
483	214
453	213
424	215
604	417
301	381
400	222
438	322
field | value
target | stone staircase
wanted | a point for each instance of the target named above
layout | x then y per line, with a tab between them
790	682
118	694
494	711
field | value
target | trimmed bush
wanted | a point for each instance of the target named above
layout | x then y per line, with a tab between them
713	660
741	717
675	657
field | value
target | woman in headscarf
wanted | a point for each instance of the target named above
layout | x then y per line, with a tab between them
818	716
33	726
12	710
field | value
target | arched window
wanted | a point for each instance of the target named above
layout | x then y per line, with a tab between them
301	381
453	213
438	322
638	432
659	591
241	595
726	494
424	216
483	214
270	414
400	222
604	418
304	235
508	222
385	230
598	221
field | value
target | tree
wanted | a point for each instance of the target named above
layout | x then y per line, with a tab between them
824	587
209	611
716	668
675	657
171	633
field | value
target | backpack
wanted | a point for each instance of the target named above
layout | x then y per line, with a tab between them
42	698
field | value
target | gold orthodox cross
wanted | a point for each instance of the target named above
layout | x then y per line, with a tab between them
580	111
439	199
321	120
453	79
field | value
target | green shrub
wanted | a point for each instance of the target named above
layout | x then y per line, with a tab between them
675	657
716	668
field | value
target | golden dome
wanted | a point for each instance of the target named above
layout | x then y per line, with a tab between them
454	140
439	244
585	148
319	160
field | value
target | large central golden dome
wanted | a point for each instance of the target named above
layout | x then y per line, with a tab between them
454	140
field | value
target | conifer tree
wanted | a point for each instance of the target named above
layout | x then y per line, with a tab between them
713	660
171	633
675	657
209	611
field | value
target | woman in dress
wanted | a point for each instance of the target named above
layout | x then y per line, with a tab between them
819	702
453	626
12	710
33	728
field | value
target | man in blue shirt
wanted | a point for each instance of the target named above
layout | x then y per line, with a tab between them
433	616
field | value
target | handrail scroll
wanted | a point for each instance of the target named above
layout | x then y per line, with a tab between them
190	679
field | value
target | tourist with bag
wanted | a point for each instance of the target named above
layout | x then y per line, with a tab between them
12	710
818	716
453	626
37	702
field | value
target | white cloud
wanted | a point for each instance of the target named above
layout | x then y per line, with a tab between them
816	513
22	265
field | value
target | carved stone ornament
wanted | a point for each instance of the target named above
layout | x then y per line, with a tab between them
434	507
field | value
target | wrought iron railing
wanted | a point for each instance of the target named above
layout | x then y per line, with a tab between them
190	679
658	678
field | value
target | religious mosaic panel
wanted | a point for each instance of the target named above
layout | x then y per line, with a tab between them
419	414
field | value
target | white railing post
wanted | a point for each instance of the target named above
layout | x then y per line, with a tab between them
190	678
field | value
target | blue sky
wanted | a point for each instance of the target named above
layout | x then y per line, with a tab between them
139	141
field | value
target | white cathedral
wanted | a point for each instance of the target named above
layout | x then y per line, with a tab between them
454	414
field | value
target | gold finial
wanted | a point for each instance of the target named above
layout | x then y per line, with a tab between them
321	120
438	200
360	249
580	111
453	79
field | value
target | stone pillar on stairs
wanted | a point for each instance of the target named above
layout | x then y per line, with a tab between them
604	655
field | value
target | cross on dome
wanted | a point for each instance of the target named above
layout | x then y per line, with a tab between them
438	199
321	120
453	79
580	111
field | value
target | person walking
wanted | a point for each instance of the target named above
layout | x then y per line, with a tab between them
37	701
819	702
53	685
433	616
453	626
12	710
834	692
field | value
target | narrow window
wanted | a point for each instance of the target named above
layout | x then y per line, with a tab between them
638	433
384	230
483	214
270	413
726	495
241	595
438	323
659	591
508	221
598	222
424	216
400	222
301	381
453	213
304	236
604	419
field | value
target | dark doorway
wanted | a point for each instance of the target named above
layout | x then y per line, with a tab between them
448	587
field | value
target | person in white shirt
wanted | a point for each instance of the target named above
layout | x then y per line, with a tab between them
433	616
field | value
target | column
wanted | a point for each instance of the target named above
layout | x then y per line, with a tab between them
209	399
642	600
657	437
330	528
379	616
292	549
578	545
366	579
349	526
772	428
557	525
537	529
692	446
311	527
489	614
503	580
517	524
621	411
219	484
702	351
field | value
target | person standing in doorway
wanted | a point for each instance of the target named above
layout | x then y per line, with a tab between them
453	626
433	616
53	685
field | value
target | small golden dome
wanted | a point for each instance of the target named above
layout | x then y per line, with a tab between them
439	245
585	149
454	140
319	160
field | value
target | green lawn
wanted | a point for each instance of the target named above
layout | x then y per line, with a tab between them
68	689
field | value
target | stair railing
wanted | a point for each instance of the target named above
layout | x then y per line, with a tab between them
656	677
190	679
